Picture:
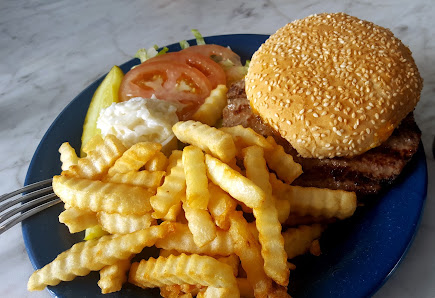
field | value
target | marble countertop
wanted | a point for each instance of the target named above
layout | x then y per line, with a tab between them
51	50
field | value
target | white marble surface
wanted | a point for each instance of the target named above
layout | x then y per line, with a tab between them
50	50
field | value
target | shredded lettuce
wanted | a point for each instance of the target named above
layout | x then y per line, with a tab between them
184	44
198	36
145	54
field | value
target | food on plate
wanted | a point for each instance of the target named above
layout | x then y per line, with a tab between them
346	115
92	255
112	277
227	198
211	110
104	96
209	139
140	120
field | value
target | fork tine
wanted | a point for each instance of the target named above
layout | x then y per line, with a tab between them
29	187
26	206
25	198
27	214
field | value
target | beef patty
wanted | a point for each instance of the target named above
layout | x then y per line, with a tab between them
365	174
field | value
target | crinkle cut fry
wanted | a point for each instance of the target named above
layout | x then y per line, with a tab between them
182	240
112	277
116	223
169	193
135	157
267	222
298	240
93	255
102	196
98	161
68	156
209	139
185	269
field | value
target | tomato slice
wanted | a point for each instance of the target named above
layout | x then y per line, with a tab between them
167	80
213	50
207	66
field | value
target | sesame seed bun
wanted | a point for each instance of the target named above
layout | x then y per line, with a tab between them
332	84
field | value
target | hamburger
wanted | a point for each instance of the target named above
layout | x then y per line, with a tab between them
338	93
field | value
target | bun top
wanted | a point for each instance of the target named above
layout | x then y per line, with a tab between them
332	84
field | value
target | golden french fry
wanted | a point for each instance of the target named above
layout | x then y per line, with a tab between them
142	178
116	223
283	207
90	145
209	139
169	194
211	110
135	157
77	219
232	260
184	269
245	137
282	163
68	156
249	252
238	186
158	162
213	292
173	159
197	194
96	164
112	277
200	224
182	240
102	196
220	205
298	240
93	255
267	222
176	291
316	202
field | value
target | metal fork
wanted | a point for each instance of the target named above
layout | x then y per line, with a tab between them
36	197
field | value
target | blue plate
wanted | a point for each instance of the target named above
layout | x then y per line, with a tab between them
358	254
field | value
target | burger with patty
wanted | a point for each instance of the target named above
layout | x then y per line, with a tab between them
338	93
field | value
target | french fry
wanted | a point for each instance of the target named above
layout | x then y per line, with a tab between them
112	277
238	186
200	224
68	156
91	145
232	260
197	194
298	240
116	223
169	194
245	137
78	220
135	157
316	202
282	163
209	139
173	159
220	205
211	110
267	222
98	161
93	255
102	196
213	292
249	252
184	269
181	240
142	178
283	208
158	162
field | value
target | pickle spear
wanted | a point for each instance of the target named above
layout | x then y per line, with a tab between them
104	96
